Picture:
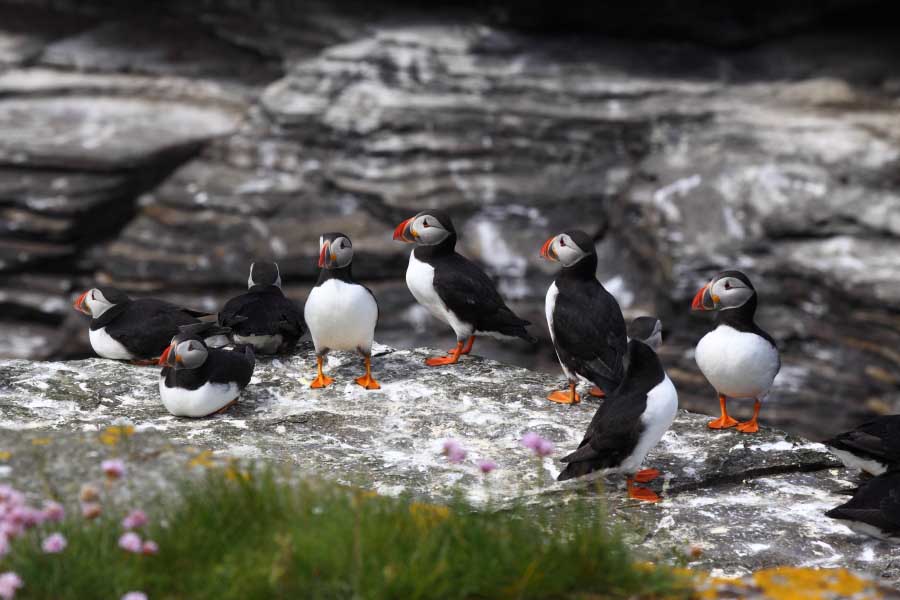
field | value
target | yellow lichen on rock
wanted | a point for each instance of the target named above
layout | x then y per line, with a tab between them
791	583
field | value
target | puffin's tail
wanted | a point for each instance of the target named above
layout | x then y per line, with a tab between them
505	322
581	462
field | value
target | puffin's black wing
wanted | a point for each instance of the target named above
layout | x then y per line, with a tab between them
589	333
147	325
263	314
231	366
472	296
611	437
876	503
878	439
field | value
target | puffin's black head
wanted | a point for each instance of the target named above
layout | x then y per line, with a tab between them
98	300
264	273
728	289
335	251
191	353
428	228
647	330
569	247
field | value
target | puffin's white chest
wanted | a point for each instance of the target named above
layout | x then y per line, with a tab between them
107	347
737	363
420	281
851	461
202	402
549	307
341	316
662	406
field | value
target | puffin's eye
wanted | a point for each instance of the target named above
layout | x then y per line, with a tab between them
562	242
425	223
727	285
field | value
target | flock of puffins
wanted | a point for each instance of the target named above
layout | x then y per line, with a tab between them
202	376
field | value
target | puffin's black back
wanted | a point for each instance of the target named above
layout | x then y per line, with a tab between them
878	439
145	326
589	330
221	366
616	428
876	503
263	310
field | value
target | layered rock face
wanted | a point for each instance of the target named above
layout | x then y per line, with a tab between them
164	151
744	501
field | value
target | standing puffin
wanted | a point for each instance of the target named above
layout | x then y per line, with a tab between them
632	420
263	317
341	314
873	447
874	509
738	358
453	288
196	380
126	329
585	321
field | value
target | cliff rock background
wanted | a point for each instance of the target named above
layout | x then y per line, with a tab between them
161	148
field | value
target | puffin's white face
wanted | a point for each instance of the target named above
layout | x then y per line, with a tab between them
427	230
264	274
653	338
93	303
336	253
189	354
722	293
563	249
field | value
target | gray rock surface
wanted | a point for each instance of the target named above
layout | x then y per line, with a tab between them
198	138
747	502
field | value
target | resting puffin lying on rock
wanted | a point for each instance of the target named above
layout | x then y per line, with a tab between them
874	509
137	330
738	358
453	288
341	314
262	317
632	420
196	380
585	321
873	447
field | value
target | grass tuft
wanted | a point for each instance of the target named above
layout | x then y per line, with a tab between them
259	537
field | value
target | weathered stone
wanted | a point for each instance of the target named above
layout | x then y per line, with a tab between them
748	501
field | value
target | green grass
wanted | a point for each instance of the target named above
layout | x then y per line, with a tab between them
261	538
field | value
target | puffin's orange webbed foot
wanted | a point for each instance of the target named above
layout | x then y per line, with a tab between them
321	381
643	494
564	397
725	422
646	475
467	349
751	426
597	392
368	382
450	359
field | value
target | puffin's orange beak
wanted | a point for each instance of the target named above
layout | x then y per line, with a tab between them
164	357
403	234
322	255
80	306
703	300
547	250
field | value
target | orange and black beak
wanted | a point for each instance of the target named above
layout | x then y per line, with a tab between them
80	305
547	251
704	300
403	233
164	358
325	255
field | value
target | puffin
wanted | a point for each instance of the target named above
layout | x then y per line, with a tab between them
197	380
340	313
138	329
585	321
874	509
632	420
873	447
263	317
453	288
739	359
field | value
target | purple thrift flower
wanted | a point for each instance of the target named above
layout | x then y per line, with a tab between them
150	547
135	596
131	542
454	451
136	518
54	543
54	512
486	465
9	583
545	448
113	468
531	440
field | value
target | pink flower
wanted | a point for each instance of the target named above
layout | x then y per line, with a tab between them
486	465
537	444
9	583
91	510
54	543
135	596
131	542
454	451
150	548
4	545
136	518
113	468
54	512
